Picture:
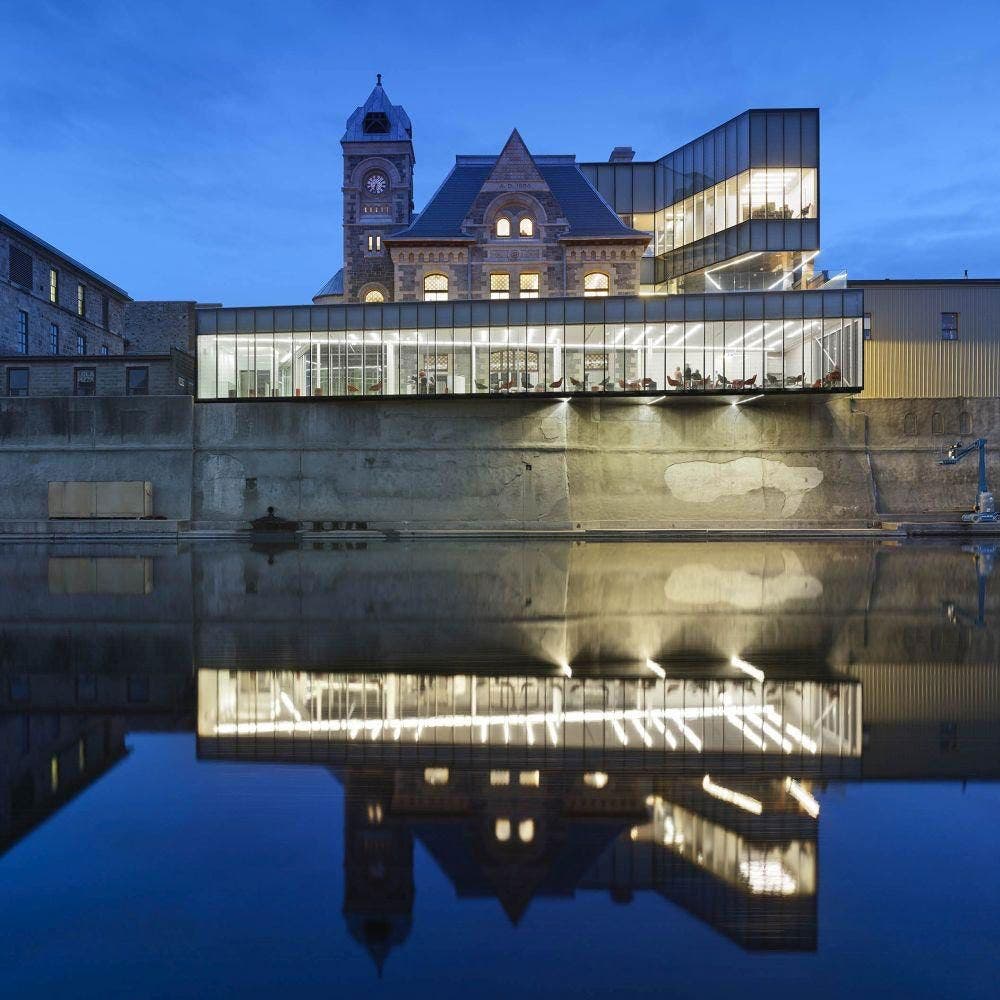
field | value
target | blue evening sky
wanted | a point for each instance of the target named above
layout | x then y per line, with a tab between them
191	149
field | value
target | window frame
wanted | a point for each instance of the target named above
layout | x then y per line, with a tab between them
597	293
365	298
16	370
505	219
436	294
77	372
105	312
374	243
53	338
530	222
948	332
81	344
529	293
129	369
53	286
81	299
498	279
22	332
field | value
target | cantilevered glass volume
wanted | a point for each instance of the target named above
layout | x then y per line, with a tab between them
780	342
728	211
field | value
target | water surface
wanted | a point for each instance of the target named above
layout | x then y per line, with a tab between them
473	769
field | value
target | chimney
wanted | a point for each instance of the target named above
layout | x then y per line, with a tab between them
622	154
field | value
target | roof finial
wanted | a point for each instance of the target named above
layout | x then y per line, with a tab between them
378	79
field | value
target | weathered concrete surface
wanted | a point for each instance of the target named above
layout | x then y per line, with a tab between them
504	464
97	439
525	464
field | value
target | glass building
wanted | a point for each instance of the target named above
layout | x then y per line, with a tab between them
781	342
729	210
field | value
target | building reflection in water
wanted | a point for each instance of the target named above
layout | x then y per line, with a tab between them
698	789
455	723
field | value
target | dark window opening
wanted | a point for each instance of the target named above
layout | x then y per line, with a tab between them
22	332
949	326
105	310
81	344
53	338
376	123
137	381
19	267
85	382
17	381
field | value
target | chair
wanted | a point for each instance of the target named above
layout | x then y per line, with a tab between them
673	382
352	388
556	384
648	383
505	386
376	387
481	386
833	378
576	383
750	382
794	380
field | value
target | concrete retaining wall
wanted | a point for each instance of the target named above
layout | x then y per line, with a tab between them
117	438
504	463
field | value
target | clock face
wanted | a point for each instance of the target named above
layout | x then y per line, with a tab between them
376	183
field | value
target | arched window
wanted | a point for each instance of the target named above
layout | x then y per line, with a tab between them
501	830
502	227
526	226
374	295
435	288
596	284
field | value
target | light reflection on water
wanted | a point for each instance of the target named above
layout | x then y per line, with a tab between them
510	727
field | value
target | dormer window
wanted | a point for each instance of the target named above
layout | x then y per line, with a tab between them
376	123
502	227
526	227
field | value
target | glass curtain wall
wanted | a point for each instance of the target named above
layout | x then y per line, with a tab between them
731	343
763	166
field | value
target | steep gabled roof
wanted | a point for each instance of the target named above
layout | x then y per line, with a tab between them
396	120
588	214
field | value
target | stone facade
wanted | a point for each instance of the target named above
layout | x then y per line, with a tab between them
159	327
168	374
372	215
378	193
551	260
102	301
389	251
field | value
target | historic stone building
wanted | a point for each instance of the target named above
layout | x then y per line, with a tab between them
499	227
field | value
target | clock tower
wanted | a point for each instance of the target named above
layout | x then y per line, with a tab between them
378	193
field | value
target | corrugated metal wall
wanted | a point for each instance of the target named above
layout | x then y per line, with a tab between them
906	356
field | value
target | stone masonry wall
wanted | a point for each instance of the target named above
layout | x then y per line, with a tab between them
156	327
42	313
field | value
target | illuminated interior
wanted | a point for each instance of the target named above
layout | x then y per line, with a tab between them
784	342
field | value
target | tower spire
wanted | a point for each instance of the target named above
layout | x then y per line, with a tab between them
378	79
